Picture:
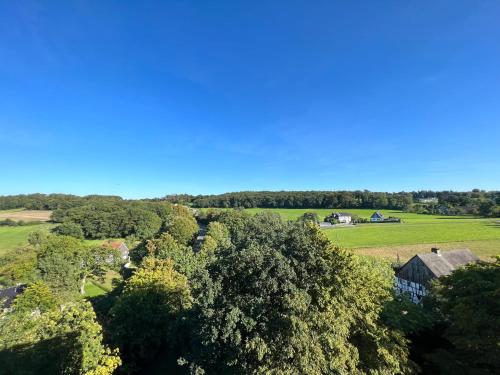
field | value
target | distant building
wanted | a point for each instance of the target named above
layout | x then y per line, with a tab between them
122	248
343	217
414	276
377	216
428	200
8	295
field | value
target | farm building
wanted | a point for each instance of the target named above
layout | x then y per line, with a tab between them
342	217
377	216
122	248
8	295
414	276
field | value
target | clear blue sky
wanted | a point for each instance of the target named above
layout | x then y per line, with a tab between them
145	98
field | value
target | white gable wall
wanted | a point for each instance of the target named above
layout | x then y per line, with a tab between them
416	291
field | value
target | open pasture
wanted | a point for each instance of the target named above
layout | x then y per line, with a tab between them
12	237
408	217
25	215
417	232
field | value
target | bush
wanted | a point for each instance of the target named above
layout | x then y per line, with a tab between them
69	229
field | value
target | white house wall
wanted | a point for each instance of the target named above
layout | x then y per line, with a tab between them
415	290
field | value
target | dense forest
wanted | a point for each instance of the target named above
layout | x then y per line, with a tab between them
256	296
476	202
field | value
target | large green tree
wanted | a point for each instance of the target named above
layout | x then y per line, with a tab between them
39	336
65	262
468	302
148	313
283	300
183	228
60	263
166	247
220	233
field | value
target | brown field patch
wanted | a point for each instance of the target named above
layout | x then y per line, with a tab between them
26	215
484	249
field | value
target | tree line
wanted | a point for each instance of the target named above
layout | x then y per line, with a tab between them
475	202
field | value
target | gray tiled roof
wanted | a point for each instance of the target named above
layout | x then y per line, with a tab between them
8	295
447	261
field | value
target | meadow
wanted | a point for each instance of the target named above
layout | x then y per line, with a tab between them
12	237
417	233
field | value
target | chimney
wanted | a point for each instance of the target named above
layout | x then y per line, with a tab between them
436	250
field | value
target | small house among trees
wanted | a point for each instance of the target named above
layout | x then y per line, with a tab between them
8	295
414	276
339	217
377	216
122	248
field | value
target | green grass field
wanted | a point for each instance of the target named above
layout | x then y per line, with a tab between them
93	290
12	237
420	231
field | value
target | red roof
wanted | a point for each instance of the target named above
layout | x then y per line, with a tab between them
114	245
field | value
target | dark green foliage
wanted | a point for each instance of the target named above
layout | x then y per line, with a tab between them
37	237
282	300
17	223
301	199
220	234
166	247
147	315
183	228
37	296
60	263
475	202
235	221
403	315
39	336
19	266
355	219
309	217
112	220
69	229
468	302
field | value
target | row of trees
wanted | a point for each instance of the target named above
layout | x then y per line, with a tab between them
51	201
476	202
136	220
299	199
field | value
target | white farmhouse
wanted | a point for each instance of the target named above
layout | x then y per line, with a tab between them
414	276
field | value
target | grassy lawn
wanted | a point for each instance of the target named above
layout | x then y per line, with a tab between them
371	235
11	237
93	290
417	233
99	287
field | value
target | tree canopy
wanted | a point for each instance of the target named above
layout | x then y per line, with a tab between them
283	300
468	303
39	336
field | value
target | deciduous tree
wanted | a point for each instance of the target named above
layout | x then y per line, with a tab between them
147	314
285	301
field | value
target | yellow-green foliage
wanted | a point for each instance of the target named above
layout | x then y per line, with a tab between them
147	314
40	336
